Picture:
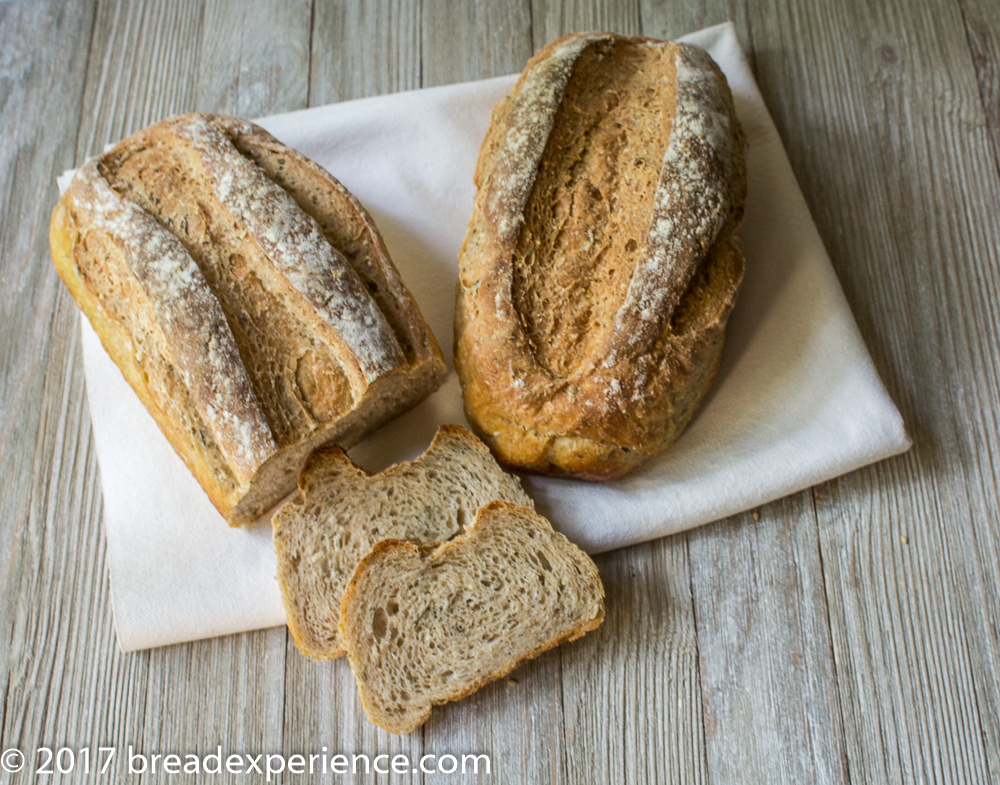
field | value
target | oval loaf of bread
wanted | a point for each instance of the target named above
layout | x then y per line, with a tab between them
246	296
600	264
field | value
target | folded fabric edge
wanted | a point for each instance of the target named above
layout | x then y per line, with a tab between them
752	503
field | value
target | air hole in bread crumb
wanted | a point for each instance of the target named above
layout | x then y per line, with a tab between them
461	518
392	607
544	562
380	623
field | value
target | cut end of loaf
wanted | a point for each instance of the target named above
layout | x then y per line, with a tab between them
429	624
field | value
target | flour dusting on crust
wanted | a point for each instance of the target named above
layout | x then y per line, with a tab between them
529	124
653	354
194	327
692	201
296	244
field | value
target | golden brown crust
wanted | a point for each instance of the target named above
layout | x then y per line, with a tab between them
587	362
203	232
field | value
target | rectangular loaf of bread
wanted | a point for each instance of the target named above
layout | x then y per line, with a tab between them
248	299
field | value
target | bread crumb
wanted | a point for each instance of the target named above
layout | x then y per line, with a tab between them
905	539
756	515
511	682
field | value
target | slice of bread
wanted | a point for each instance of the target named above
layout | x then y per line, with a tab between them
343	512
428	624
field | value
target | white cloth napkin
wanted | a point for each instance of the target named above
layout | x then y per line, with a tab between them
796	402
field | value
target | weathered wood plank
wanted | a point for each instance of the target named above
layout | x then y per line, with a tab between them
143	62
362	48
672	20
549	19
768	678
322	707
631	690
462	41
42	63
268	43
881	114
982	29
71	683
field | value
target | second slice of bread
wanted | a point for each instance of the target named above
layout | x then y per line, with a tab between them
343	512
428	624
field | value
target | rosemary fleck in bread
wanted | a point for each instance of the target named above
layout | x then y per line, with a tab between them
428	624
248	299
600	263
343	512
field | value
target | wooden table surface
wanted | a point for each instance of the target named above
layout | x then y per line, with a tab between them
849	633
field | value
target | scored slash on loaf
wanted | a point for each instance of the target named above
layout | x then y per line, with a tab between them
247	297
600	263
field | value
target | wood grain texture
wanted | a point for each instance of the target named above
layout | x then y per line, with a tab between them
142	60
364	48
322	710
270	41
894	158
812	644
982	29
768	678
45	470
549	19
631	690
462	41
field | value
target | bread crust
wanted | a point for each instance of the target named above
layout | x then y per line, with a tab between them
247	298
641	366
492	514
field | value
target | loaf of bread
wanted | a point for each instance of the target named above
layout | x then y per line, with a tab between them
247	297
342	512
601	263
427	624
